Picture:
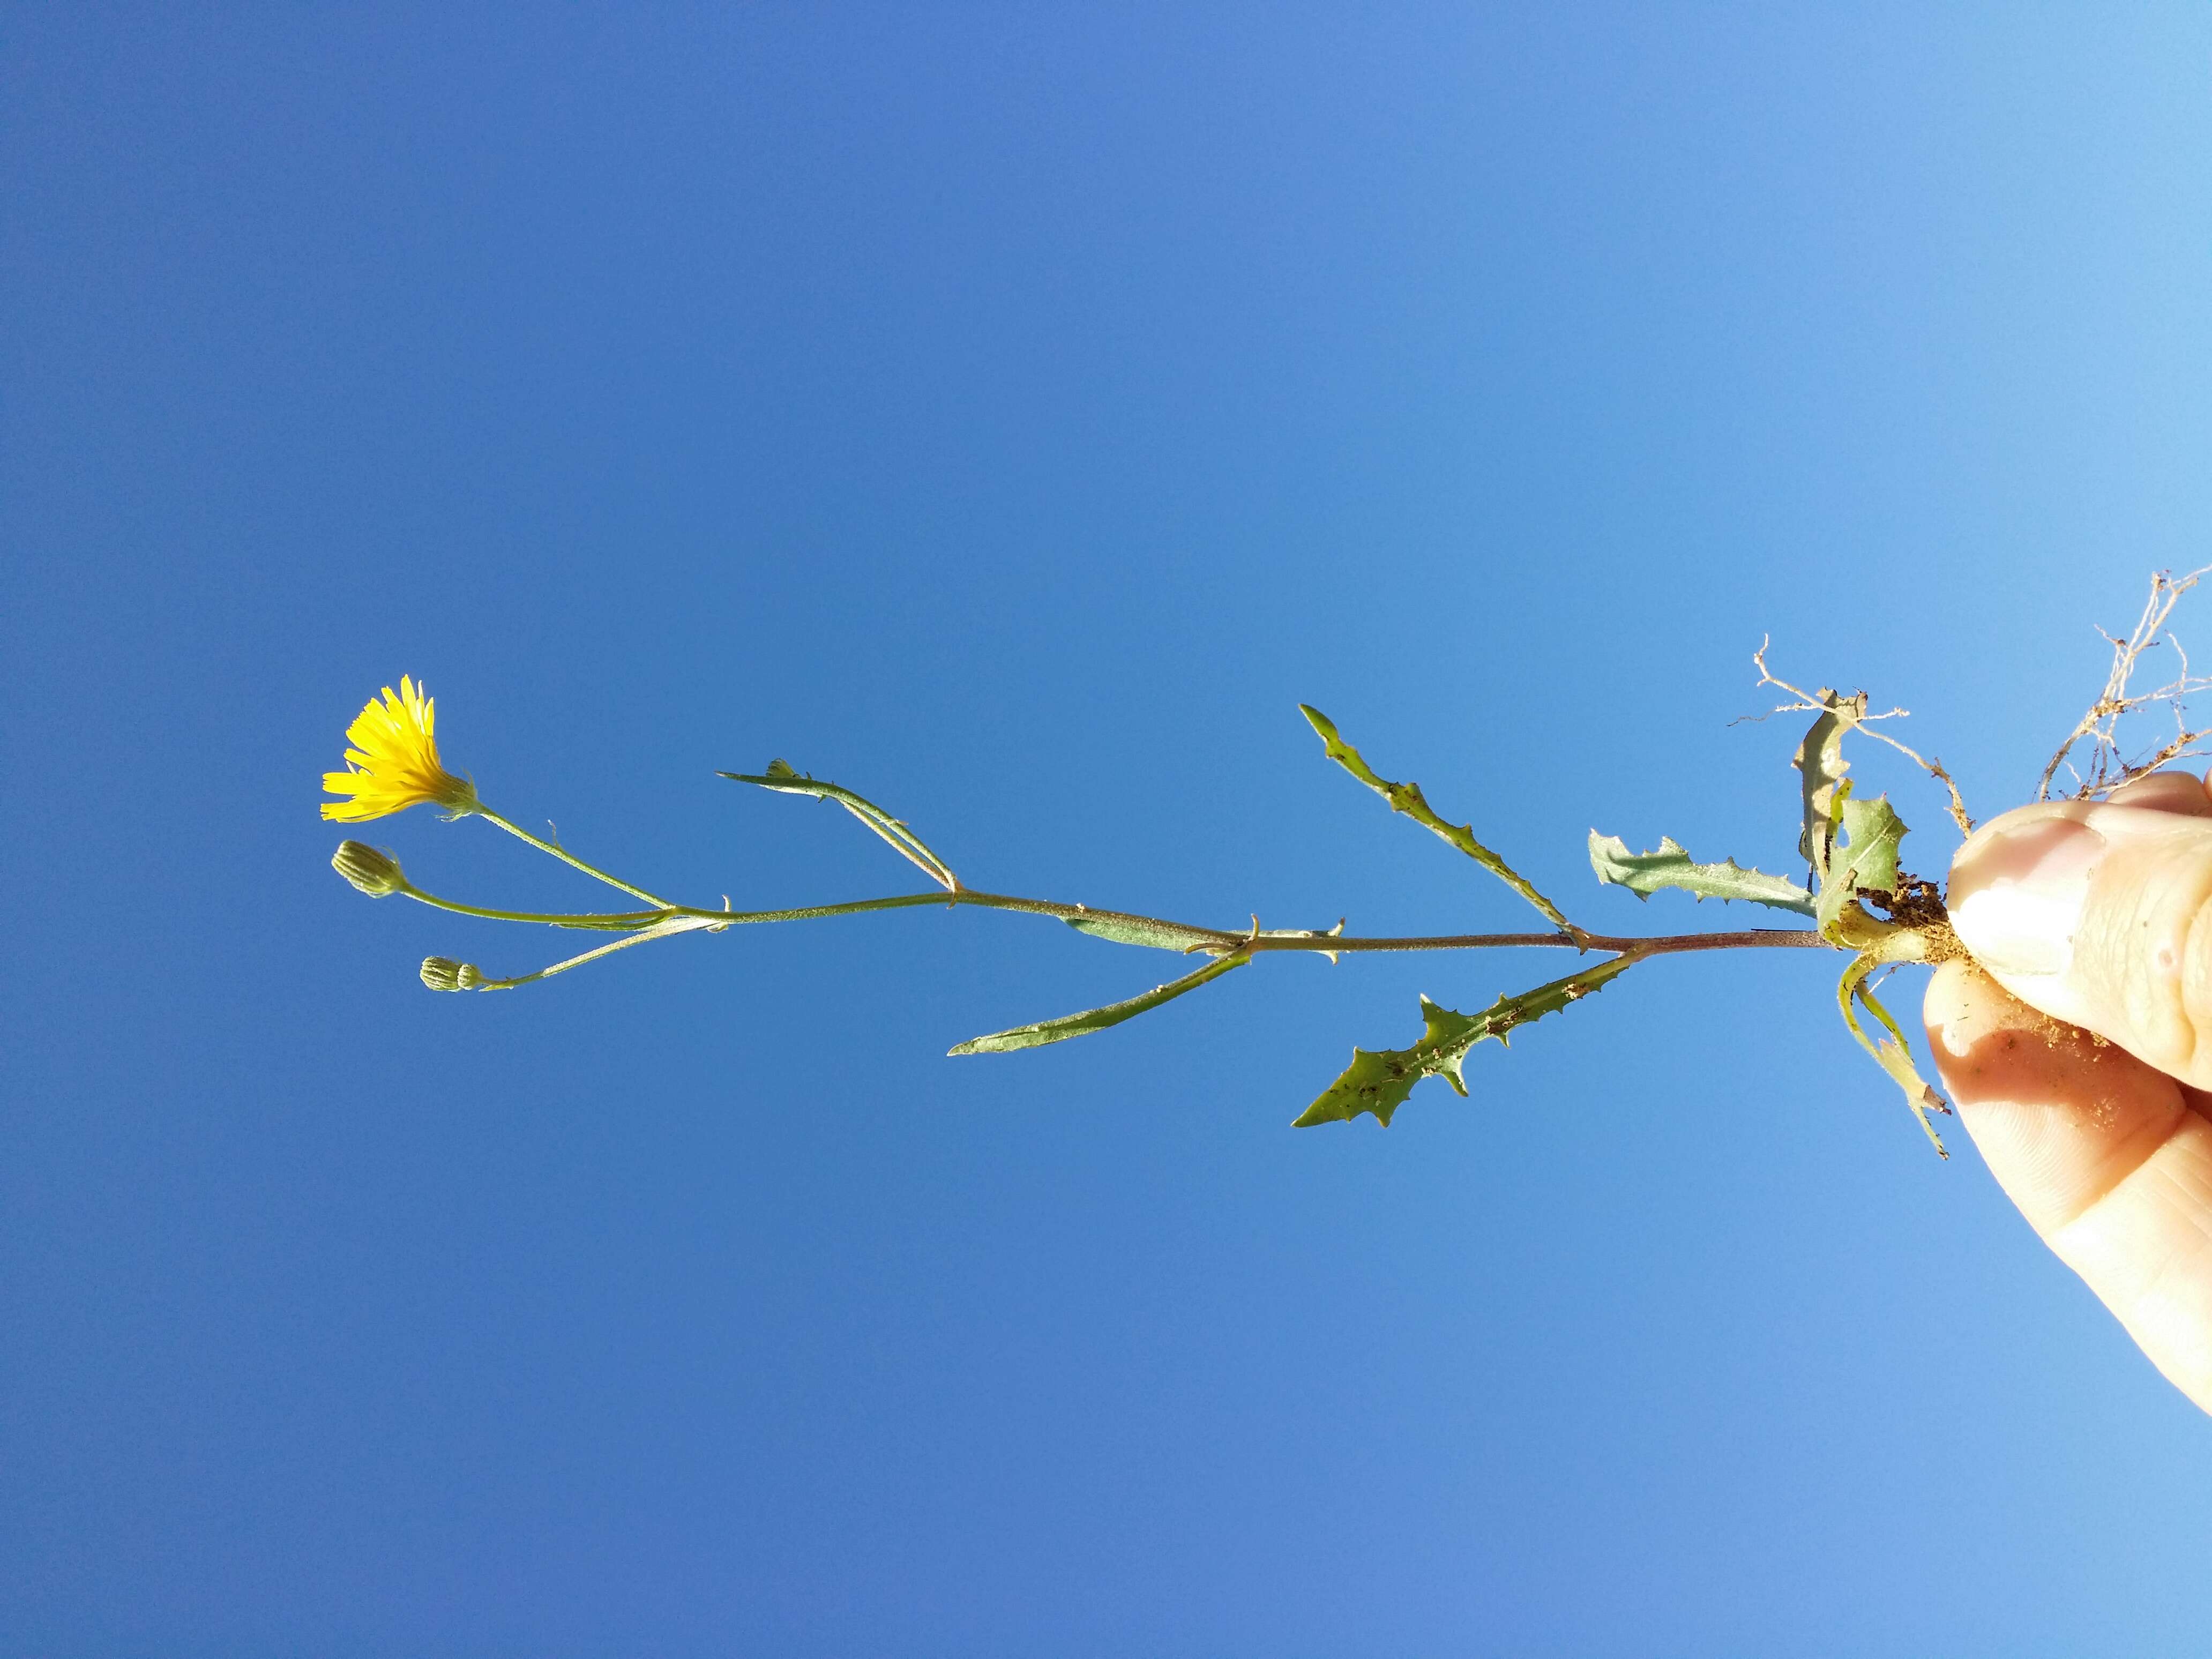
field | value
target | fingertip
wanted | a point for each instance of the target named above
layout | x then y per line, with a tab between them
2018	885
1961	1000
2093	912
2059	1116
2183	793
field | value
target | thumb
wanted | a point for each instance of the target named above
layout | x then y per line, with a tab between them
2100	914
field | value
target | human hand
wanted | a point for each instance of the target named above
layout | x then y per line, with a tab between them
2081	1061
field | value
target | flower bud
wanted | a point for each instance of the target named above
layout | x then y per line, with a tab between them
444	974
375	872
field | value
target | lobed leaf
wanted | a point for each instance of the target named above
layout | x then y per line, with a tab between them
1407	798
1820	762
1645	873
1864	859
1096	1019
1379	1080
1872	832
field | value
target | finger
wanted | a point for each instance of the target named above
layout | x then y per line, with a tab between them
2110	1160
2166	792
2100	916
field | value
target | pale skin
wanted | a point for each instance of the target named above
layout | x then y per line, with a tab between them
2094	920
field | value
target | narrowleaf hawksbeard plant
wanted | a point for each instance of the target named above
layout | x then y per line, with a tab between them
1857	897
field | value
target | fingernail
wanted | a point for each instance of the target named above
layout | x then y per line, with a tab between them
2018	898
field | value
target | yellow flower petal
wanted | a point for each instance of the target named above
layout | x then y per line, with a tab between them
392	761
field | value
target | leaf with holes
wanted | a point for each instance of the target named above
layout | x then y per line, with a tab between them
1378	1080
1820	762
1864	859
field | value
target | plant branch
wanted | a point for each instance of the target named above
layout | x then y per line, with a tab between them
644	936
1802	938
1211	939
566	856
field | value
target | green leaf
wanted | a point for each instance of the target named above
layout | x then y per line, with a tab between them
1407	798
1096	1019
1160	935
1865	859
1891	1052
1871	832
1645	873
1142	930
781	777
1819	761
1378	1080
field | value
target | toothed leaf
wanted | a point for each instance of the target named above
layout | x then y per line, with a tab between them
1864	859
1872	832
1820	762
1645	873
1378	1080
1407	798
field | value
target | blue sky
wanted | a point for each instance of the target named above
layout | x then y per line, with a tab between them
1013	414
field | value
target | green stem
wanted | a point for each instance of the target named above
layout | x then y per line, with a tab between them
645	937
569	859
628	920
1206	939
613	924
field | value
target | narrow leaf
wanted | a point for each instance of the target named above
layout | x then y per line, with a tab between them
1891	1053
1407	798
1096	1019
781	777
1820	762
1378	1080
1142	930
1645	873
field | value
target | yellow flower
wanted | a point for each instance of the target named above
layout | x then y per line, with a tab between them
394	761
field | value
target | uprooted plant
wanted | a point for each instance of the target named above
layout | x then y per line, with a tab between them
1858	895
